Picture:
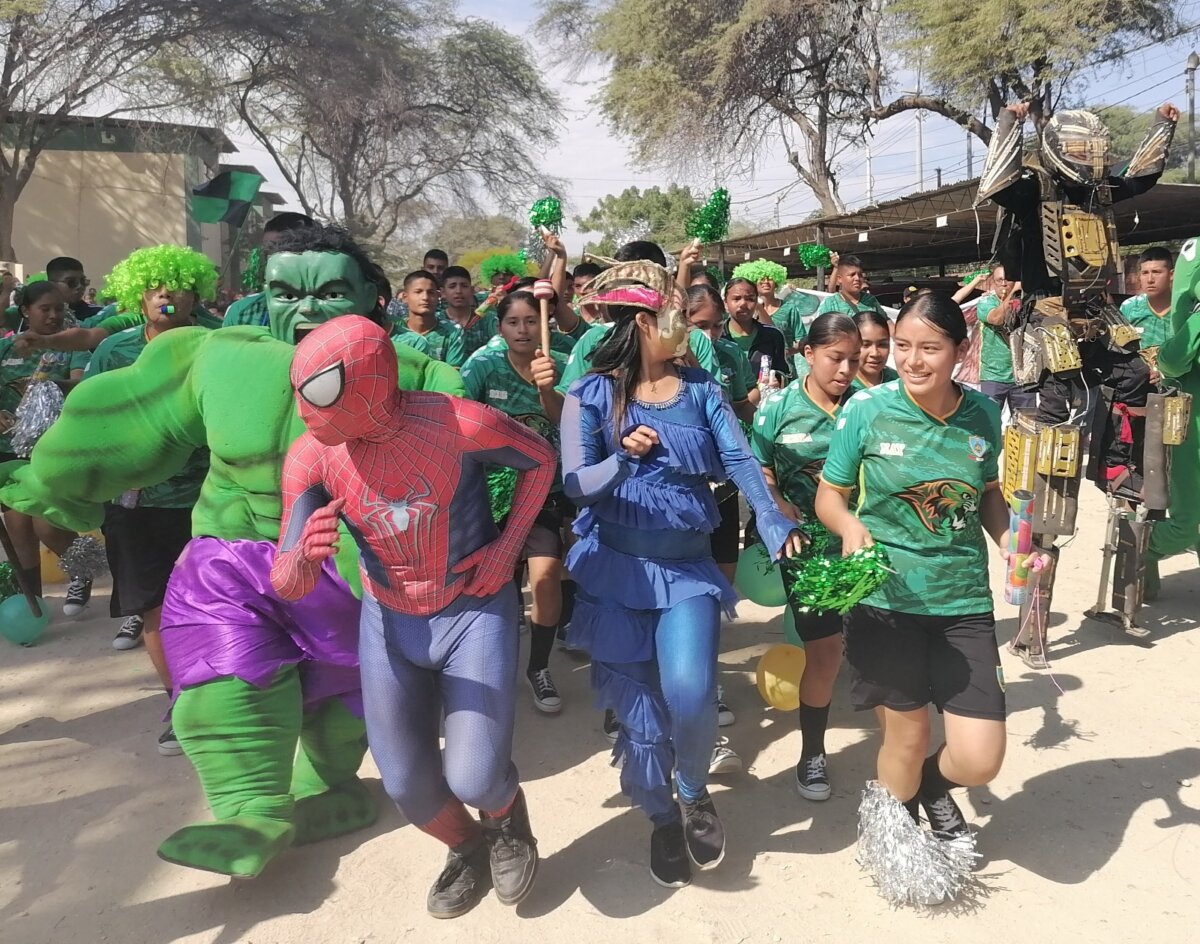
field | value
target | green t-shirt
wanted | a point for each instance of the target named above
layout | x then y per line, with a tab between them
1155	329
744	342
836	302
15	369
791	435
444	342
250	310
995	358
791	318
477	333
887	375
179	491
400	334
733	370
580	360
490	378
921	482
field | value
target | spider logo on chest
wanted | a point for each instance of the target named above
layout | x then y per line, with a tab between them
399	515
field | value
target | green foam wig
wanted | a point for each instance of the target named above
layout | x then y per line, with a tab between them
176	267
509	263
760	269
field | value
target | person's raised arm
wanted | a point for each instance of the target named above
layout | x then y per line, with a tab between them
590	471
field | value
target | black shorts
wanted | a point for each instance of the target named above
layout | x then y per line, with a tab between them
726	537
142	545
904	661
545	537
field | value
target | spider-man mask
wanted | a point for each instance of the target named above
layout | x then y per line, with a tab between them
345	378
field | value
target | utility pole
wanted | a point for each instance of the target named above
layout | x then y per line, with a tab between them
939	177
970	157
1193	63
920	151
870	177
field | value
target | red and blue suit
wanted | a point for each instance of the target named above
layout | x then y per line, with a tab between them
406	474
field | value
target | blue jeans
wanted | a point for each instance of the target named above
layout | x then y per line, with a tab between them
684	675
1000	392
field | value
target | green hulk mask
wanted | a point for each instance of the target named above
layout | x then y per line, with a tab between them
305	289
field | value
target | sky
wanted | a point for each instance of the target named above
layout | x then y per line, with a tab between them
594	161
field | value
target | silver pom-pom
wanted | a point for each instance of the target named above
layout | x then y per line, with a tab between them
534	248
84	559
637	229
909	865
38	409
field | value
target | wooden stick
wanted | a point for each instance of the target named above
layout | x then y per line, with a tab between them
11	553
545	303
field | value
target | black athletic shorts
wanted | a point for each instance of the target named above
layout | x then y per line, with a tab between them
545	537
142	545
726	537
7	457
904	661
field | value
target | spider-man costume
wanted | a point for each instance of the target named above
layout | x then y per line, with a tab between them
407	474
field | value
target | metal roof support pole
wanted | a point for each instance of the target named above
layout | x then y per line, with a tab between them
820	286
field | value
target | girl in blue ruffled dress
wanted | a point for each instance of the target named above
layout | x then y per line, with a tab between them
642	438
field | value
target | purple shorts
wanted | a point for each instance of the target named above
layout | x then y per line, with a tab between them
222	618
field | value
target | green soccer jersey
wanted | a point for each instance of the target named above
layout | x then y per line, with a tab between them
733	370
477	333
179	491
836	302
401	335
250	310
445	342
791	436
995	359
887	375
490	378
14	370
580	360
921	482
792	319
1153	327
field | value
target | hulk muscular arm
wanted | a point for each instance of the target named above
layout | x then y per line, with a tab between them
137	426
1180	354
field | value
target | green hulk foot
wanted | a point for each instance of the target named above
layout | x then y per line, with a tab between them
240	847
330	799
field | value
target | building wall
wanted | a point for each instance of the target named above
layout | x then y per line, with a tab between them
99	206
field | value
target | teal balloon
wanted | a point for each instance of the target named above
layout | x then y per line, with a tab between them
790	633
18	625
758	579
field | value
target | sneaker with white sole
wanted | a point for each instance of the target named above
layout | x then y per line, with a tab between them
725	759
725	716
545	695
168	744
946	821
812	778
130	633
79	592
703	834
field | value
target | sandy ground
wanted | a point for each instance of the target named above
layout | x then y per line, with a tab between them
1093	827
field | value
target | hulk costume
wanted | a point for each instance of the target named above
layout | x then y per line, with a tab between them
250	685
1179	362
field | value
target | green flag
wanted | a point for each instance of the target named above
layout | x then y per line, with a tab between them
226	198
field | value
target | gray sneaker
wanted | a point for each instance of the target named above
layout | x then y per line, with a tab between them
130	634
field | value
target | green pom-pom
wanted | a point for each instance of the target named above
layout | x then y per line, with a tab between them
814	255
825	584
759	269
547	212
501	484
176	267
510	263
972	276
256	265
8	583
710	223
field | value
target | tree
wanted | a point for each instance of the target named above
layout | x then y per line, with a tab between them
655	214
999	51
381	112
61	57
689	80
462	235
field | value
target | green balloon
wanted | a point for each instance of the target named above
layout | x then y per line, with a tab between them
790	632
758	579
18	625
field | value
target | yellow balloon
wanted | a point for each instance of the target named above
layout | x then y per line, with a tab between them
779	672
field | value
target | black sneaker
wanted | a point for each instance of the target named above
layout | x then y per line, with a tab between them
704	836
725	715
612	727
463	882
812	781
545	695
512	852
130	633
79	591
946	821
168	744
669	864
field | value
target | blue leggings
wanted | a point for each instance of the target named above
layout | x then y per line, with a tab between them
463	662
684	675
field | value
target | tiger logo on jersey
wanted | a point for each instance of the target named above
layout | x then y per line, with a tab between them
813	470
943	505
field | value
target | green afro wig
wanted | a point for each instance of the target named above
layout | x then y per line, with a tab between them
176	267
509	263
761	269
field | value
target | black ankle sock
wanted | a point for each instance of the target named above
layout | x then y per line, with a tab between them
568	603
933	782
914	809
813	722
541	642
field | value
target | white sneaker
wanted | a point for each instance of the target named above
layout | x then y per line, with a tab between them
725	759
129	635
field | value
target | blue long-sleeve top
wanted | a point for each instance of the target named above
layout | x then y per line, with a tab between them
700	441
